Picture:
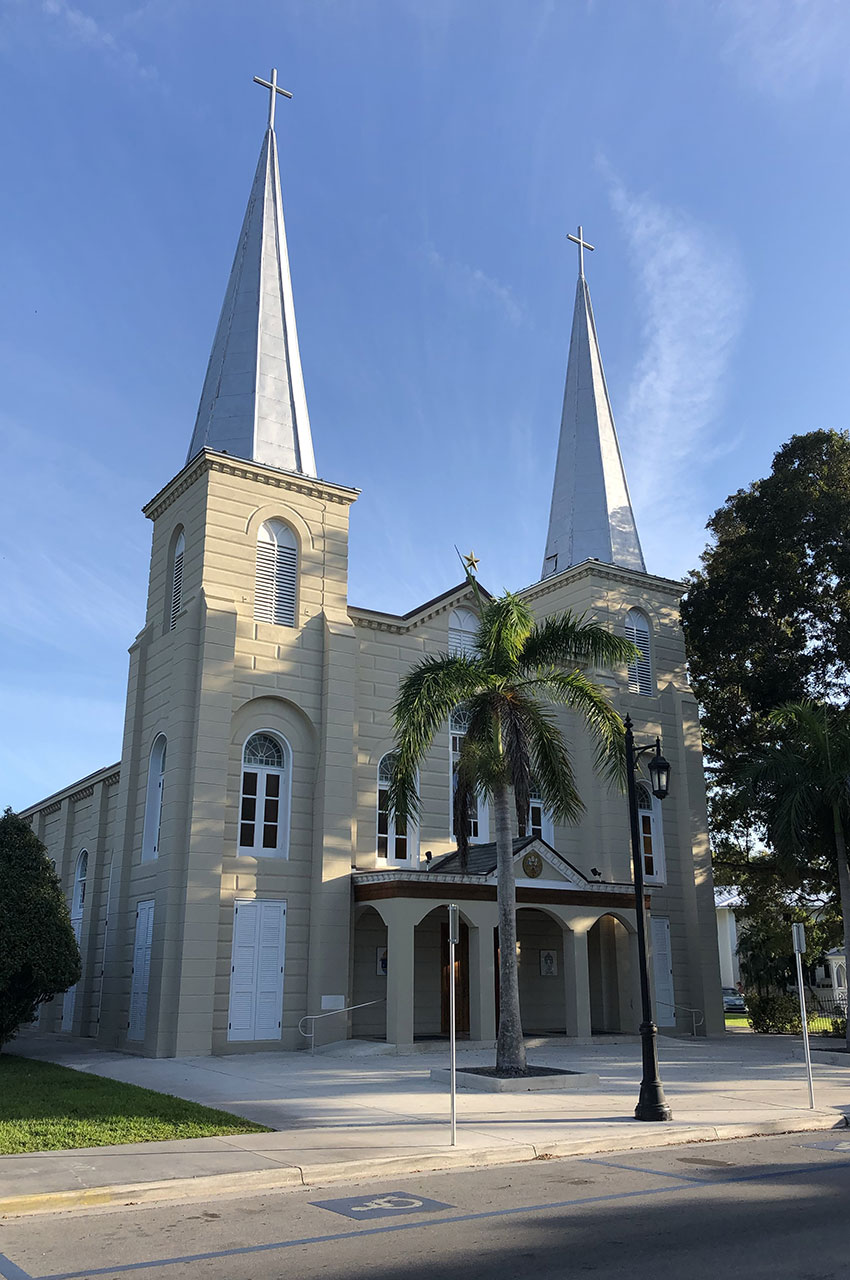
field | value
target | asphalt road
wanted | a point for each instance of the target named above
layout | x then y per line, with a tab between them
771	1207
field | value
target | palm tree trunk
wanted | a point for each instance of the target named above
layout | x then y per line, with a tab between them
510	1047
843	893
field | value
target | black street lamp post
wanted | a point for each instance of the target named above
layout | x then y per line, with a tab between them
652	1105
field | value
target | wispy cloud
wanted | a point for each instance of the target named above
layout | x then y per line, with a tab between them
693	300
84	31
787	48
471	284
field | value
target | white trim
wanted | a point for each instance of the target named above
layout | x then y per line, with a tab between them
656	835
389	859
276	574
482	835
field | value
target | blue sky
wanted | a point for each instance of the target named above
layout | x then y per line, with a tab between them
434	156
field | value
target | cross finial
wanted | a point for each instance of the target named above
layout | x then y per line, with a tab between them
582	245
273	89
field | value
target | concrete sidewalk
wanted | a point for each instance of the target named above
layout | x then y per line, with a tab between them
357	1112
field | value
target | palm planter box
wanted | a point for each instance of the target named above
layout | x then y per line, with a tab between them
537	1080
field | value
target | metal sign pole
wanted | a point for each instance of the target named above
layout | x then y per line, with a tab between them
454	935
799	935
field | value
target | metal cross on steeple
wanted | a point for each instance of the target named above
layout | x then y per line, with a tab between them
582	245
272	86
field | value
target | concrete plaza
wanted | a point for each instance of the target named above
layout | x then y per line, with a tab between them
356	1110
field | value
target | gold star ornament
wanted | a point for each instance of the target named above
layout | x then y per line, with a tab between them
471	561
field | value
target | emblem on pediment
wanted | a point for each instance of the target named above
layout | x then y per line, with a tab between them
532	865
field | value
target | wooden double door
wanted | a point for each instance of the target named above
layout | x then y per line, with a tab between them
461	979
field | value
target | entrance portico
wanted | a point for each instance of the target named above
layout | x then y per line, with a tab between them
576	946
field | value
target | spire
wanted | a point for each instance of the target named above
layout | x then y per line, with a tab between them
591	515
253	403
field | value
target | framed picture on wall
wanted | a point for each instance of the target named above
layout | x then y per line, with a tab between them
548	964
381	961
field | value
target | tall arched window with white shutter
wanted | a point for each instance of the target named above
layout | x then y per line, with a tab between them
153	800
463	628
176	603
276	584
640	671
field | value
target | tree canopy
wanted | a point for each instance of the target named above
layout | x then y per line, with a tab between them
39	956
767	616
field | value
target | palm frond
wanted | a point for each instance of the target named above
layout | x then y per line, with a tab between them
552	764
505	625
579	693
427	696
566	639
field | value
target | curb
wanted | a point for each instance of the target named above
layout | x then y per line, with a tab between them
259	1180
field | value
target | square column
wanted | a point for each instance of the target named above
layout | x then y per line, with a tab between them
399	978
576	983
482	972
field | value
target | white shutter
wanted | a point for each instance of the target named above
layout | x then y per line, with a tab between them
276	583
256	977
269	1004
141	970
286	564
176	588
662	972
70	999
640	671
264	586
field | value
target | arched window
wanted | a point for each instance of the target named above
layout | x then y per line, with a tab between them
651	835
264	802
463	628
78	897
479	824
539	822
397	842
177	580
277	574
153	800
640	671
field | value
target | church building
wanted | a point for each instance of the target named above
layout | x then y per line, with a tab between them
238	871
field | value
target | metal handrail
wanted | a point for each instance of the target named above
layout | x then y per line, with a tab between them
329	1013
684	1008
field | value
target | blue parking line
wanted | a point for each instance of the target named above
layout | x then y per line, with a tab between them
656	1173
9	1271
686	1184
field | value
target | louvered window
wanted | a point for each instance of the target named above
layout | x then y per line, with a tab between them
177	580
276	583
640	671
463	628
264	801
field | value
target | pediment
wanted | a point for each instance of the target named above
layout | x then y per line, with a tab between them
538	861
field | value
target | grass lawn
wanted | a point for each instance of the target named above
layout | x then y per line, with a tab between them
737	1020
45	1108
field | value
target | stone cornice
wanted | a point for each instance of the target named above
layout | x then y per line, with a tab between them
207	460
451	878
612	572
402	624
78	790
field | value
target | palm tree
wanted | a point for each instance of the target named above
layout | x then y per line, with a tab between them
803	785
509	687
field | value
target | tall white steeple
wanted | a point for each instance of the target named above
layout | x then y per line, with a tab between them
253	404
591	515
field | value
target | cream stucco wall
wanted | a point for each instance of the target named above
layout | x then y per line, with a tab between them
327	687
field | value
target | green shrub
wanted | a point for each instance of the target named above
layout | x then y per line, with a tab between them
774	1014
39	956
839	1026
